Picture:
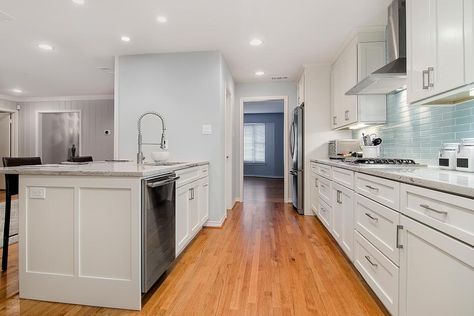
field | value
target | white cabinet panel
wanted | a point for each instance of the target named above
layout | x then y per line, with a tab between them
204	200
324	187
343	217
314	194
194	208
386	192
182	218
325	214
436	273
343	176
448	72
104	233
420	47
50	243
469	39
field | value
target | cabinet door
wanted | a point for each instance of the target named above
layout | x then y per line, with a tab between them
194	206
204	201
448	72
336	97
420	47
348	113
436	272
337	212
469	39
343	218
314	193
301	90
182	218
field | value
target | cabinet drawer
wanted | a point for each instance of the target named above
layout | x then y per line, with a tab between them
379	272
378	224
324	189
324	170
343	176
384	191
314	167
187	176
448	213
325	214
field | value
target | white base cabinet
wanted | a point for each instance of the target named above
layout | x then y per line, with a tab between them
343	218
436	273
192	205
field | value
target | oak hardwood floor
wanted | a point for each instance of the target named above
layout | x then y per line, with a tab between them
266	260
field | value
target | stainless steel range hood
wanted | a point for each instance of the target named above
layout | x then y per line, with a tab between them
391	77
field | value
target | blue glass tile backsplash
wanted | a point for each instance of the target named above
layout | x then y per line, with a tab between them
417	132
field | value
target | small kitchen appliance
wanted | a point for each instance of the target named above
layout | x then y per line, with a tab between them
447	156
465	155
341	148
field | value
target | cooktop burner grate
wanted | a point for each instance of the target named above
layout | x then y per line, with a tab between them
382	161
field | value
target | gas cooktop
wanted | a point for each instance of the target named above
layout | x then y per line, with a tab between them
380	161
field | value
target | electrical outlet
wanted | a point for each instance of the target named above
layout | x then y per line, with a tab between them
207	129
37	193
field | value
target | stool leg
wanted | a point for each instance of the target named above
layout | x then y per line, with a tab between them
6	231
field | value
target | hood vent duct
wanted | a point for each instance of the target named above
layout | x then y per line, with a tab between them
391	78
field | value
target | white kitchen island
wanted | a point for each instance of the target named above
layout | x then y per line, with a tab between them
80	230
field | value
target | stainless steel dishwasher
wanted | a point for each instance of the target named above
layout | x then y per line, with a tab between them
158	227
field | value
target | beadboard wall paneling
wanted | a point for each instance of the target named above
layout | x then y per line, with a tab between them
417	132
96	117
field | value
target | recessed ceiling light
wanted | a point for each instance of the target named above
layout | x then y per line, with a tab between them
256	42
125	39
161	19
45	46
16	90
79	2
259	73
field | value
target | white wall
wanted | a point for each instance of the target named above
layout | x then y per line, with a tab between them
257	90
317	121
96	117
188	89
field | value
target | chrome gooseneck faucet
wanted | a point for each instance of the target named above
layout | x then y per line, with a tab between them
163	143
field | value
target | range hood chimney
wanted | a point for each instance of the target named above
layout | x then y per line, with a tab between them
392	77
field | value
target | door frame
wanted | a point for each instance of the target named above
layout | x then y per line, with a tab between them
285	142
228	150
14	131
38	133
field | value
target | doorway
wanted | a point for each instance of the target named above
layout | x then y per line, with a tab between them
264	148
58	136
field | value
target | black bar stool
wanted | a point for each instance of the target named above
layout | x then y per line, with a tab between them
11	188
82	159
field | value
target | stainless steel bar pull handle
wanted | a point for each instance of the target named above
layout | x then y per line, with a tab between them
372	188
399	227
316	182
160	183
425	78
346	115
426	206
430	77
370	261
338	197
334	120
371	217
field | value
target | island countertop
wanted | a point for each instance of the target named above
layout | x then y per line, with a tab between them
450	181
101	168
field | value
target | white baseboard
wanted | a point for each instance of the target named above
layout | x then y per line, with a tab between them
217	223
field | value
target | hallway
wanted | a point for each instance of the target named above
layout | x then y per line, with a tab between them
266	260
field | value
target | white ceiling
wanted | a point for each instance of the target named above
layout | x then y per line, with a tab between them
270	106
295	32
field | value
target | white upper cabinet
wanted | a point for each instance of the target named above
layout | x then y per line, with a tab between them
469	39
439	43
300	91
362	56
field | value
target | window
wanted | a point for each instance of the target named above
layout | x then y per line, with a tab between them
254	142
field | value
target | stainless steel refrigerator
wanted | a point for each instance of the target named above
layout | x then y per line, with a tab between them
297	155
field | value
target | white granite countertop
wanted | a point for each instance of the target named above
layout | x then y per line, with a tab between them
455	182
100	168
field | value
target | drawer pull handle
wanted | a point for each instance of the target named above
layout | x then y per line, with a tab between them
338	198
371	217
399	227
372	188
370	261
427	207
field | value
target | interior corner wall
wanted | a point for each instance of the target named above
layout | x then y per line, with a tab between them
257	89
317	122
188	89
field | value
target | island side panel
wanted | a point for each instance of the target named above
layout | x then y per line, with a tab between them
80	240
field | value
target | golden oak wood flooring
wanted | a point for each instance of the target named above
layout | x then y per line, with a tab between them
266	260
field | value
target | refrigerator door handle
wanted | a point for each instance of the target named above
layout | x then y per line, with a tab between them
293	173
292	139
